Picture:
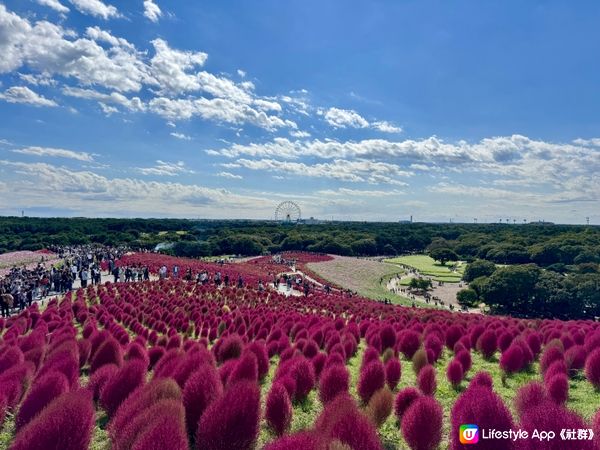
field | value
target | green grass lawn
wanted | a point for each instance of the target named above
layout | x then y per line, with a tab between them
428	266
366	277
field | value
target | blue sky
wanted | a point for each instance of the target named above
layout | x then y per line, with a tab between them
355	110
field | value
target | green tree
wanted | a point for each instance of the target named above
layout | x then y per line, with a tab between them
478	268
467	297
443	255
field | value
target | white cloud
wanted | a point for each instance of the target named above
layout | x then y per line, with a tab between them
229	175
345	192
299	134
163	168
88	193
181	136
151	11
55	152
96	8
241	73
22	94
100	35
116	98
343	118
42	79
55	5
169	68
339	169
386	127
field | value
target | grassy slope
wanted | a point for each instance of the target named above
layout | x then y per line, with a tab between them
427	266
362	276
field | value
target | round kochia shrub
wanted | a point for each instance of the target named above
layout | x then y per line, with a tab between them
393	372
164	429
422	424
121	384
65	424
372	378
529	396
404	399
454	373
356	431
511	360
99	378
231	422
487	344
426	380
109	352
558	388
380	406
201	389
592	368
410	341
278	409
40	395
140	400
481	406
334	380
549	416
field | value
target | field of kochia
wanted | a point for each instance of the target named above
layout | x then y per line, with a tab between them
176	365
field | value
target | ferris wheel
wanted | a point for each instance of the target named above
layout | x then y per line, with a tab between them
287	212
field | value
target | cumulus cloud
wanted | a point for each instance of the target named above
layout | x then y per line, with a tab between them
229	175
116	98
339	169
22	94
96	8
55	5
163	168
386	127
55	152
183	137
343	118
151	11
89	193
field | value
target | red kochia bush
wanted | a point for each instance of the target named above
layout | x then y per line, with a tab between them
549	416
166	430
454	372
201	389
230	348
65	424
393	372
334	379
426	380
121	384
487	344
11	357
372	378
99	379
246	368
481	406
231	422
422	424
529	396
356	431
304	440
404	399
140	400
558	388
550	355
303	373
410	342
109	352
592	368
262	358
511	360
482	378
40	395
278	409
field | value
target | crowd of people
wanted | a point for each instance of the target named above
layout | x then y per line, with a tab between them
21	285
